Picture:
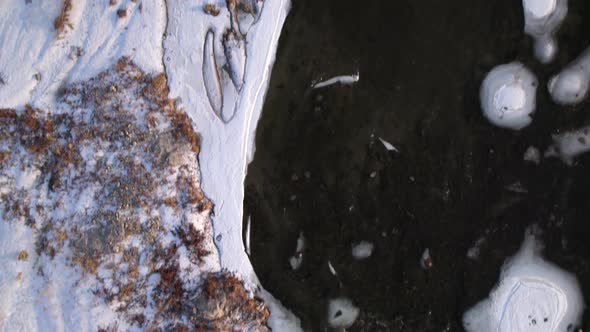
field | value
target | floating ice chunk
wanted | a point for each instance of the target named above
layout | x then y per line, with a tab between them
388	146
332	269
532	295
569	144
532	155
539	8
211	75
570	86
508	94
473	252
342	313
426	260
542	18
247	235
517	188
297	259
362	250
343	79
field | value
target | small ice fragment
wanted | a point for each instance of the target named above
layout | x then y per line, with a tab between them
570	86
473	252
362	250
300	243
297	259
541	20
508	94
343	79
247	236
532	295
342	313
568	145
532	155
332	270
388	146
426	259
516	187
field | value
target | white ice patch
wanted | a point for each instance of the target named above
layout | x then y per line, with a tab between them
362	250
532	295
343	79
568	145
532	155
473	252
297	259
507	96
388	146
570	86
342	313
26	177
36	59
542	18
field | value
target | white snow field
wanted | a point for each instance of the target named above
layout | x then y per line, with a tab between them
532	295
61	71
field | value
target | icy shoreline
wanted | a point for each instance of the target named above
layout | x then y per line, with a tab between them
164	36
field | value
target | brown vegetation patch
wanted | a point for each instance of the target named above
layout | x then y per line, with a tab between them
211	9
63	20
113	184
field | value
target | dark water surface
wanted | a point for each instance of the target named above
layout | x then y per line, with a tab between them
421	63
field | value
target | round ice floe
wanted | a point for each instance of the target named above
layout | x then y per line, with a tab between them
570	86
532	295
507	96
542	18
341	313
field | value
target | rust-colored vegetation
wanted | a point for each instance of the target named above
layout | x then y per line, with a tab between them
194	241
211	9
63	20
226	305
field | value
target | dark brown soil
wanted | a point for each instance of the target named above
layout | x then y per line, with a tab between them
421	63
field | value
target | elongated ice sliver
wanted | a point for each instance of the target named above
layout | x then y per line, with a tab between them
343	79
211	75
235	54
247	235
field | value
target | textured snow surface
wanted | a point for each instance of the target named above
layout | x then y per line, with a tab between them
58	277
532	295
